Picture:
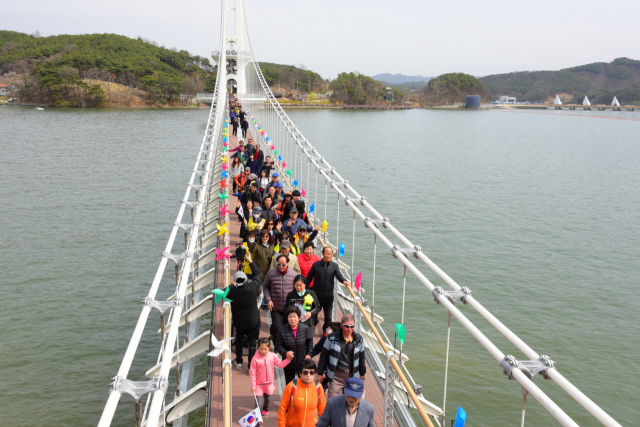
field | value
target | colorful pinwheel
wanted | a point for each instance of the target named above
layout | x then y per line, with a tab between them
224	210
222	294
222	254
224	228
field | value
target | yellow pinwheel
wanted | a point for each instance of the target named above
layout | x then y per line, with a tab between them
224	228
224	159
325	224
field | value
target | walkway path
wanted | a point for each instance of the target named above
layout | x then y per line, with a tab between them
243	401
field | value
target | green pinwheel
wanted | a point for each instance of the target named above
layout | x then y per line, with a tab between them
224	196
225	148
275	152
221	294
288	172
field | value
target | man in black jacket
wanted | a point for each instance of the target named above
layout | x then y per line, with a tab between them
244	126
244	310
324	272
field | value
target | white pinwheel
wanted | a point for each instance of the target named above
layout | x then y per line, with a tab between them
219	346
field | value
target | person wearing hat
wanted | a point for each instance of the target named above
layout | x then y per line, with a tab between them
348	409
293	223
286	198
292	259
279	191
274	180
291	204
252	194
244	310
256	222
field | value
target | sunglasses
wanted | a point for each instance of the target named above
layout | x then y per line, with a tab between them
349	326
284	265
305	372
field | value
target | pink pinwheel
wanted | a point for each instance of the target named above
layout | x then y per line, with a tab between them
273	147
222	254
358	281
284	164
225	166
224	210
303	192
226	144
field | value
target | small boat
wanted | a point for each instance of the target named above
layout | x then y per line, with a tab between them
39	108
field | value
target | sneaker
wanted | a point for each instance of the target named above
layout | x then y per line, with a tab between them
238	365
265	412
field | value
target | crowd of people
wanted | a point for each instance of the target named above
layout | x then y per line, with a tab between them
279	272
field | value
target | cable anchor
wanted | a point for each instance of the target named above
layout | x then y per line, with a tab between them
452	296
530	368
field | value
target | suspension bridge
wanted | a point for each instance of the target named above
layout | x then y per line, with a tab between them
173	388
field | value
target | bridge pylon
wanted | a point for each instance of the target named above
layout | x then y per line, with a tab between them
238	57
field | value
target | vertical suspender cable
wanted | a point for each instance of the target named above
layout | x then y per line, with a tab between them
446	371
353	249
326	186
373	286
338	229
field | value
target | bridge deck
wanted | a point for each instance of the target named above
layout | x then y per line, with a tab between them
243	401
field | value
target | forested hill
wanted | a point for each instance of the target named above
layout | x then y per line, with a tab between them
71	69
600	81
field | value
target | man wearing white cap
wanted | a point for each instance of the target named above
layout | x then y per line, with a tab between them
348	409
244	311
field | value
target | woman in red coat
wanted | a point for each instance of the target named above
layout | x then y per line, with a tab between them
307	258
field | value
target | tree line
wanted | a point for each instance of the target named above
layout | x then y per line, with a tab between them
72	69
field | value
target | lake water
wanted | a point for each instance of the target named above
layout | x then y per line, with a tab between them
536	212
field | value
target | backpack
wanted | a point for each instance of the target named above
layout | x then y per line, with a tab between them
295	385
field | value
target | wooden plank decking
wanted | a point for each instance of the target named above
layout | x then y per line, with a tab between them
243	401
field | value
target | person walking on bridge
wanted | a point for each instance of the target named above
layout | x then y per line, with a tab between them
277	285
348	410
342	357
322	274
244	311
244	126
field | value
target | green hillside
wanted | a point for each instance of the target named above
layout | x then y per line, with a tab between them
286	78
599	81
56	68
454	87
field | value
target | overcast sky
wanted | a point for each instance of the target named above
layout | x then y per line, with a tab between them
413	37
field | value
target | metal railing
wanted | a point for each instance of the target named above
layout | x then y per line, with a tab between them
157	387
295	143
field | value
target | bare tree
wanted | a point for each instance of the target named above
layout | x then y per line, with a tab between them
36	34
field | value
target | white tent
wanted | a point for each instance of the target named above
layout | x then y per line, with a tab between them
585	101
615	102
557	101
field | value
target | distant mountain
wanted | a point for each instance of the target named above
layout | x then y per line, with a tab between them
399	78
600	81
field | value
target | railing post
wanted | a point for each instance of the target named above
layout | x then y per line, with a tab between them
389	389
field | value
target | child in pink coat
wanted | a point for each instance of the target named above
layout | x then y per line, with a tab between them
262	373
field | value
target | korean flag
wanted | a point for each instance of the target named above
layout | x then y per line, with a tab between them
251	419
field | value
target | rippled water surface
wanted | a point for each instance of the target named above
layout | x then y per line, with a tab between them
537	213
